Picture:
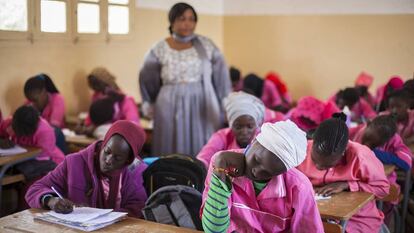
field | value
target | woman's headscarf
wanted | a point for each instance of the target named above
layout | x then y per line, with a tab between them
277	80
239	103
131	132
285	140
364	79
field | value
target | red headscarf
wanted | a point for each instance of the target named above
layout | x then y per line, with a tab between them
364	79
280	85
131	132
395	82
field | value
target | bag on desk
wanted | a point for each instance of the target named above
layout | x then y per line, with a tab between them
173	170
177	205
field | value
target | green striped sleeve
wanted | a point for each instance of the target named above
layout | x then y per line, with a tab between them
216	216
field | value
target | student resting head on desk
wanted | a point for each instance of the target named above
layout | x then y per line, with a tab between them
333	164
42	93
245	114
107	174
260	190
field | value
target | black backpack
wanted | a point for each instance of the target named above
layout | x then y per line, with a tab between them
172	170
177	205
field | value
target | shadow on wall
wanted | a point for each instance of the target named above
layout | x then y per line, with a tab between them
81	91
14	96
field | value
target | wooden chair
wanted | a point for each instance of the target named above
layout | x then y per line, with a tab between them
332	227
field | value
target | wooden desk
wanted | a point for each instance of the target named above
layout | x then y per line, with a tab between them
343	206
23	222
80	140
7	161
388	169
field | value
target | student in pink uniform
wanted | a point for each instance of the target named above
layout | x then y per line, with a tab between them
361	110
362	83
236	81
245	115
42	93
310	112
394	84
275	94
260	190
27	128
107	174
399	105
333	164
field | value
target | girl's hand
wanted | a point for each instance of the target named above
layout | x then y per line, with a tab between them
229	164
332	188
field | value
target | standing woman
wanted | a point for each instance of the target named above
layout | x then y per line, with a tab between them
183	81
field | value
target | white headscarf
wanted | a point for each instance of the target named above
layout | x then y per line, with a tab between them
285	140
240	103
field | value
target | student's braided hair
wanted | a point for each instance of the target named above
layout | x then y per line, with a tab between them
386	126
331	136
39	82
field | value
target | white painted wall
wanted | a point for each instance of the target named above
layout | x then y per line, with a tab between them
288	7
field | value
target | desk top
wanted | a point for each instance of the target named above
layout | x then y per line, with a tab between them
389	169
24	222
31	153
80	140
343	205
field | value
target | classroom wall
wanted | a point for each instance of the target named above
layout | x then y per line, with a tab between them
68	63
317	54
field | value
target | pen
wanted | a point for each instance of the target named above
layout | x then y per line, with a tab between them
59	195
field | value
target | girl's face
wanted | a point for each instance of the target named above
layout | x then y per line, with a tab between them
39	98
399	108
323	162
185	24
244	129
114	155
261	164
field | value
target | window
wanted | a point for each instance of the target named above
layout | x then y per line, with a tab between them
53	16
88	16
118	17
13	15
70	19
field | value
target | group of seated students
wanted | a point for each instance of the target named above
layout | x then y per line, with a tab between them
263	170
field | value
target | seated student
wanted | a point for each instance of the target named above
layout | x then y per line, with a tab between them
42	93
310	112
245	115
101	114
260	190
275	94
333	164
399	105
362	84
27	128
103	83
361	110
409	88
124	109
236	81
394	83
104	175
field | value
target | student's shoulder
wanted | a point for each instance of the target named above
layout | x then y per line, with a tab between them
294	177
356	152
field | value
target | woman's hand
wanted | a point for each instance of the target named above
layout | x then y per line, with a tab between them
63	206
6	143
332	188
229	163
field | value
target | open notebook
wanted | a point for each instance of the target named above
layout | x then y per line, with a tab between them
83	218
12	151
